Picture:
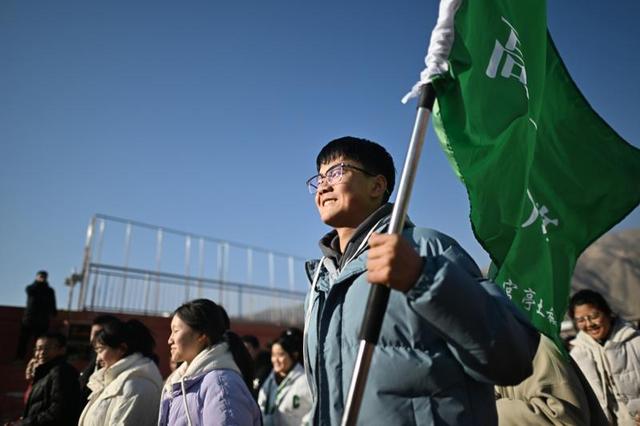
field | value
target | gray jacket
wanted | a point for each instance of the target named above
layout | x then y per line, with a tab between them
442	346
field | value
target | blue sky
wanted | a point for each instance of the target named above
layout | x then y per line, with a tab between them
207	116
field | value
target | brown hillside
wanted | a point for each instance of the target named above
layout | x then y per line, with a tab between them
611	266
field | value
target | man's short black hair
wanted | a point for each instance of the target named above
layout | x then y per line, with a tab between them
373	157
60	338
44	273
104	319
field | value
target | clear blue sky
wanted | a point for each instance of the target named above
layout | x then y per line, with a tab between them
207	116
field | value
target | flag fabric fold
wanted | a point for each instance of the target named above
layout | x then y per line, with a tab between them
440	44
544	173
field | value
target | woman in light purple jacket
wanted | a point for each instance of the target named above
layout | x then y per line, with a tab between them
211	385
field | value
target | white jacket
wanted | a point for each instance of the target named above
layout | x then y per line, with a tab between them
286	404
127	393
616	363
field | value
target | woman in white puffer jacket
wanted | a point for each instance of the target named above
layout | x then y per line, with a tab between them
607	350
126	390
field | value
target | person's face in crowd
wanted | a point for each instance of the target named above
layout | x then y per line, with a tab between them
281	360
185	343
47	349
40	278
593	321
347	202
106	356
95	329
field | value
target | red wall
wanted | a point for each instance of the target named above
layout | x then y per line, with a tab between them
10	328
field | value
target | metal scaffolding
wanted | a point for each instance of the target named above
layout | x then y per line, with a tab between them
135	267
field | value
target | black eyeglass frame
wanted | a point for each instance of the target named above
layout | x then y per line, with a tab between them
314	188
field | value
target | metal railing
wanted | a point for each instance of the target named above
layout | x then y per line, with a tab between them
134	267
151	293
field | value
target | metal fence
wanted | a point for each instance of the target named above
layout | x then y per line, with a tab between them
135	267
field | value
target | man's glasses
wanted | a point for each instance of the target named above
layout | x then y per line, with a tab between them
591	317
332	176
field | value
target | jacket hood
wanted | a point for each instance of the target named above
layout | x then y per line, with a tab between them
43	369
216	357
296	371
113	378
622	332
377	221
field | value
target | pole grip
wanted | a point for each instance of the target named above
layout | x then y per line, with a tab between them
427	97
374	314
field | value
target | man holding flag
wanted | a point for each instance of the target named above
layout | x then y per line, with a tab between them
448	335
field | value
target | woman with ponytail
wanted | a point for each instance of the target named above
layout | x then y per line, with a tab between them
211	386
126	390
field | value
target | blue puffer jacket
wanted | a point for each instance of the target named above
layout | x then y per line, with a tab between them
442	346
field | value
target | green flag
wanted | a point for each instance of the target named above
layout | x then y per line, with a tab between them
545	175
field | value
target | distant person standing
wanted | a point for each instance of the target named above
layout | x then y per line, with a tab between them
41	306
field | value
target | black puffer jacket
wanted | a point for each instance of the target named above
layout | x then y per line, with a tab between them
55	396
41	303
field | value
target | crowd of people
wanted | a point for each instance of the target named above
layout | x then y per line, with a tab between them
215	380
453	349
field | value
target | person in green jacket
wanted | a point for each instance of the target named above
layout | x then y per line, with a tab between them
448	335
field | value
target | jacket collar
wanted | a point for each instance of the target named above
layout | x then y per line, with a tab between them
43	370
338	266
622	331
216	357
330	243
109	381
296	372
103	377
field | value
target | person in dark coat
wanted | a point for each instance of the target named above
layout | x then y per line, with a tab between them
97	325
55	393
261	361
41	307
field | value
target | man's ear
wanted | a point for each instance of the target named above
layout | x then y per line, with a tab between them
379	186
